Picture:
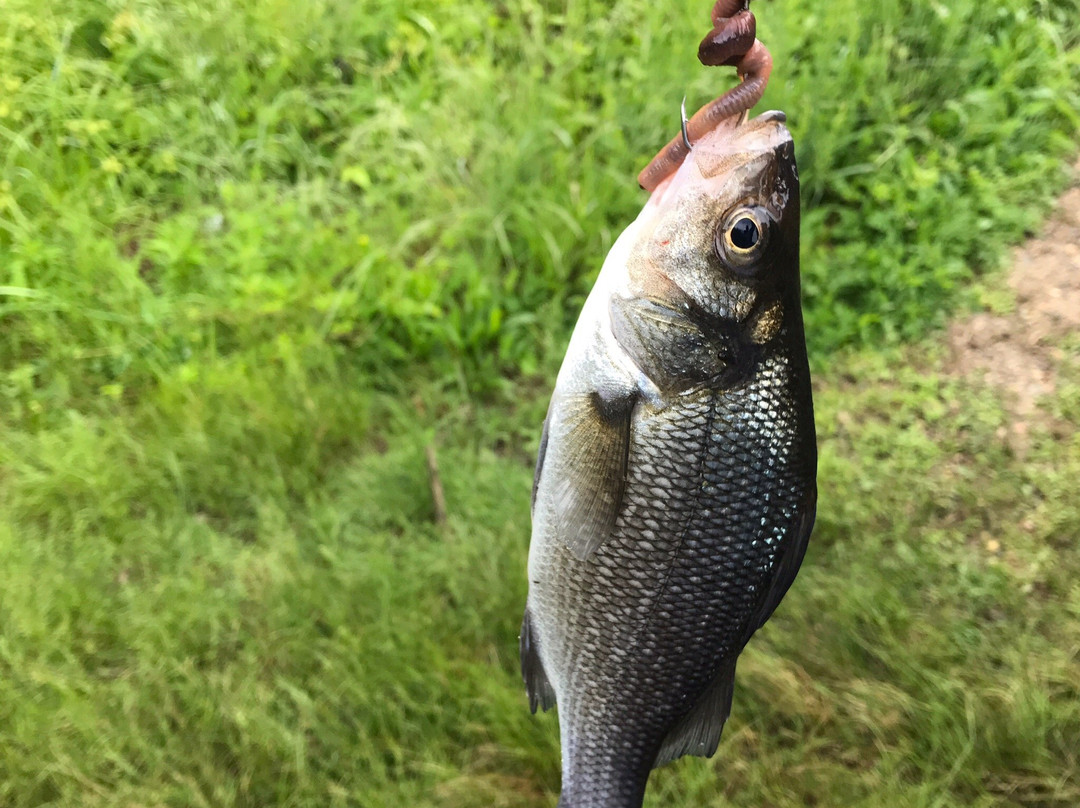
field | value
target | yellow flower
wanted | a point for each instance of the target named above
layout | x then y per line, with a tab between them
111	165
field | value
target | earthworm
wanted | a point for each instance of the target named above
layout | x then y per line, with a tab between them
732	41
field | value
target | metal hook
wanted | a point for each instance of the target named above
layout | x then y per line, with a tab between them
682	118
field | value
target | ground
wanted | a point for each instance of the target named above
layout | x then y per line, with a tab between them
1019	352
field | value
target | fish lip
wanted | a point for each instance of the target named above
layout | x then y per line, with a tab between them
773	115
761	133
738	136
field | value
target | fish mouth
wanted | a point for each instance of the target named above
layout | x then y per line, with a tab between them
742	142
733	143
765	132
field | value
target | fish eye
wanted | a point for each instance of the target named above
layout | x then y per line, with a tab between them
741	238
744	233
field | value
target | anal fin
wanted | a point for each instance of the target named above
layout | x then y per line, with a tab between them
698	732
532	669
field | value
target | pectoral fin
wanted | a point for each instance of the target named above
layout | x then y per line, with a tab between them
589	478
540	459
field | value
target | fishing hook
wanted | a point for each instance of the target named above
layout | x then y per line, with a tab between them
732	41
682	125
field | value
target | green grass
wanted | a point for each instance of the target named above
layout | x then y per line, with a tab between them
256	256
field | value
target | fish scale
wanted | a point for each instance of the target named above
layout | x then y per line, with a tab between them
734	524
675	486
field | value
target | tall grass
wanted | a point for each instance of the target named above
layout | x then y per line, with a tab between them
439	182
256	256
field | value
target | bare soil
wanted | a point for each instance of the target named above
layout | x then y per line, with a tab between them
1019	353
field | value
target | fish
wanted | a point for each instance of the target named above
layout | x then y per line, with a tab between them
675	487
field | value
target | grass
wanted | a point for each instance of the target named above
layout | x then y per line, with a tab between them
255	257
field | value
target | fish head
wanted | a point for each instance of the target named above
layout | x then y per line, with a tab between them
721	236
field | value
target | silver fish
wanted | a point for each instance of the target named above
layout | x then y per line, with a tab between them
675	488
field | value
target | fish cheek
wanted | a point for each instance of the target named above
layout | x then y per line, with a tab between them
766	325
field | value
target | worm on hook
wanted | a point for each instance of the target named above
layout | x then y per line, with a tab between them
732	41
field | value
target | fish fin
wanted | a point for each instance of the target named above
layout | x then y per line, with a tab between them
541	453
698	732
790	562
532	669
594	446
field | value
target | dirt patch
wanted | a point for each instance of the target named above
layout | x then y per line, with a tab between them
1018	353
